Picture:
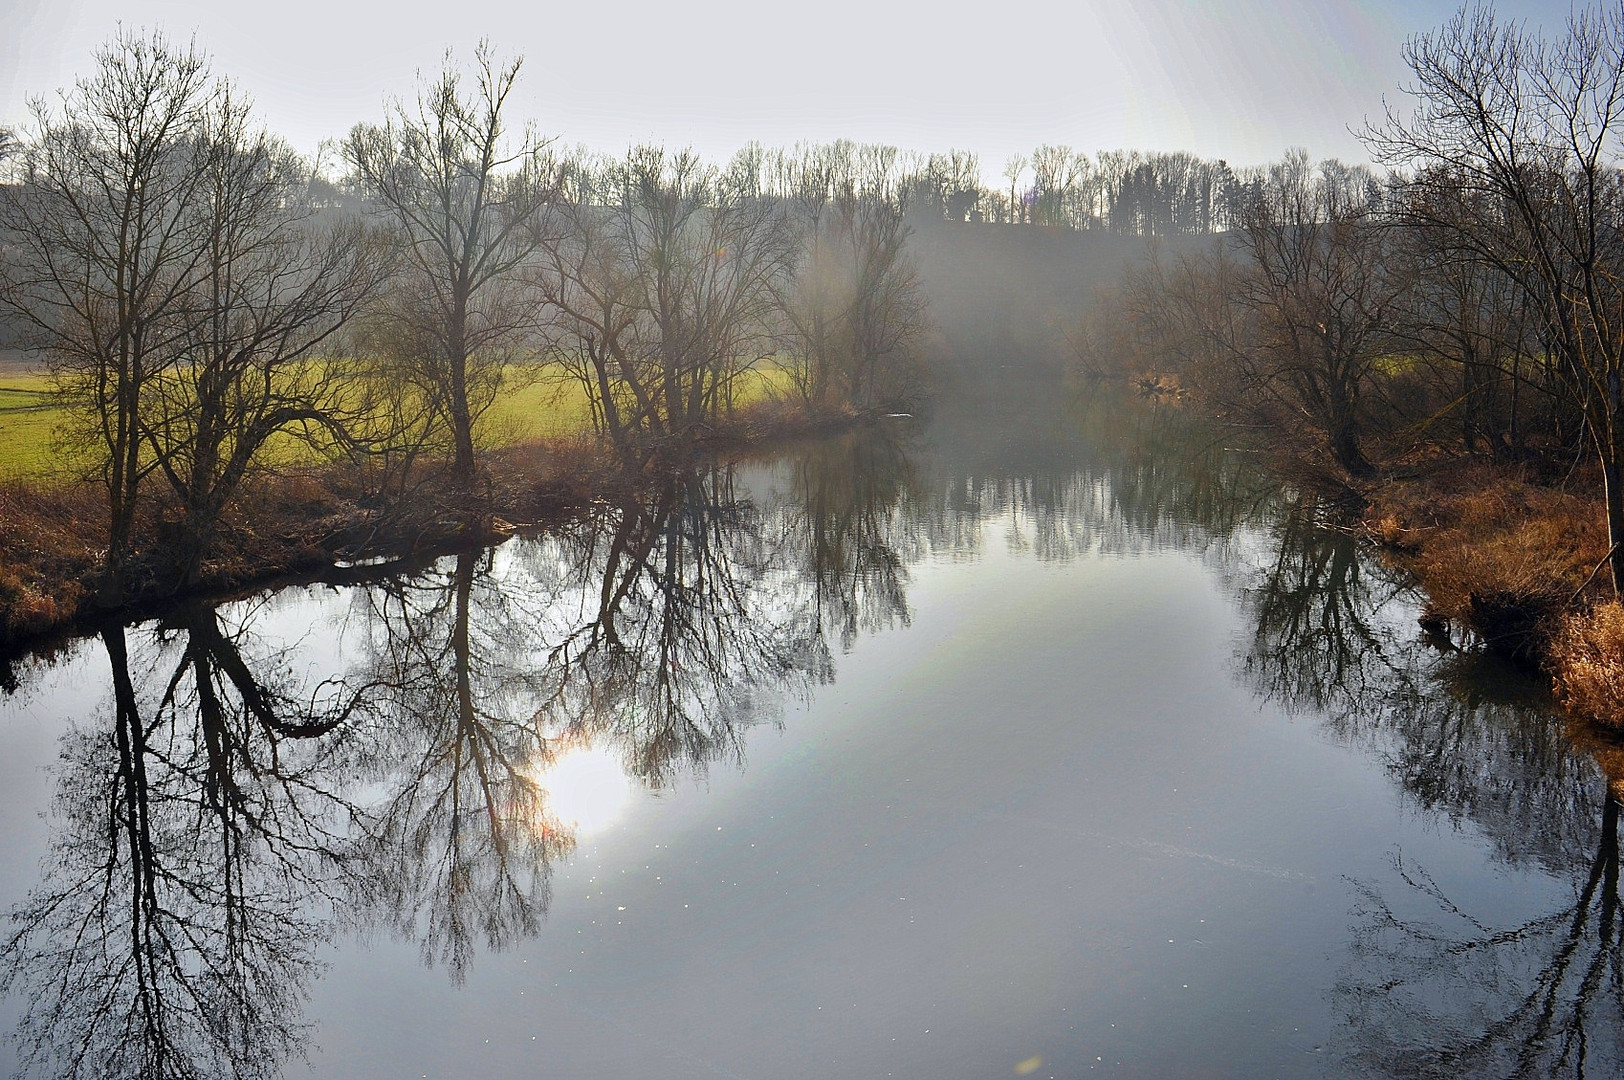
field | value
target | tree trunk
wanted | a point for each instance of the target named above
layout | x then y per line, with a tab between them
1613	480
1344	432
462	427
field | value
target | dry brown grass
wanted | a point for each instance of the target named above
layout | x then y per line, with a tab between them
46	554
1496	553
538	482
1587	664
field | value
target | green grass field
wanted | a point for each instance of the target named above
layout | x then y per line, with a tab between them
28	421
550	406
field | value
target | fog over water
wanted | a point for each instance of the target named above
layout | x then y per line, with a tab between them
1021	725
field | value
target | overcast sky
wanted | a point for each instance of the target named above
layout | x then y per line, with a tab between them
1242	79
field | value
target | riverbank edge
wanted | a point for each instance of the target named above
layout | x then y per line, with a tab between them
1511	557
1512	562
316	526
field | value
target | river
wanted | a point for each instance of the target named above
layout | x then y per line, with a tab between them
1037	740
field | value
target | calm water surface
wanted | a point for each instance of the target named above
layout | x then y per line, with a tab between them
1050	743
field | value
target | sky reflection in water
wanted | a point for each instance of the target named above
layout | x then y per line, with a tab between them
1060	747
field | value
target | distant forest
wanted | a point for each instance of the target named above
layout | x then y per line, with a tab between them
1124	192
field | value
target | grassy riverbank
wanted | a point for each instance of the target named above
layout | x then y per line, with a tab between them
1516	562
304	522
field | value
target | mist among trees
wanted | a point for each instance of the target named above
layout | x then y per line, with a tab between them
213	308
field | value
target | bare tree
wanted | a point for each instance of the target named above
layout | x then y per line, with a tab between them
105	250
1054	175
1320	295
1518	135
854	312
1013	168
949	186
464	197
660	280
161	255
1468	324
273	288
1285	323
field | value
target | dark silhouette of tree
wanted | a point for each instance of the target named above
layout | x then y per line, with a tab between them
1013	169
465	200
175	930
948	187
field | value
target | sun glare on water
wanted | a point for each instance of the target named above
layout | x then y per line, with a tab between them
586	790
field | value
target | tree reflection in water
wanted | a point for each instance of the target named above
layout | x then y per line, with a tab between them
1319	642
213	827
457	850
849	523
690	625
1441	993
226	812
174	931
1432	988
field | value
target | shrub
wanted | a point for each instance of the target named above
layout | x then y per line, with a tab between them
1587	664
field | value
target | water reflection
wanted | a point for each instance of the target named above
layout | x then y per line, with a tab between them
690	626
1436	990
848	520
175	928
445	738
224	813
1098	475
1441	981
456	851
1319	642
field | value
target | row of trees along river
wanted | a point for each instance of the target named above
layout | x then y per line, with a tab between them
202	292
1468	300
